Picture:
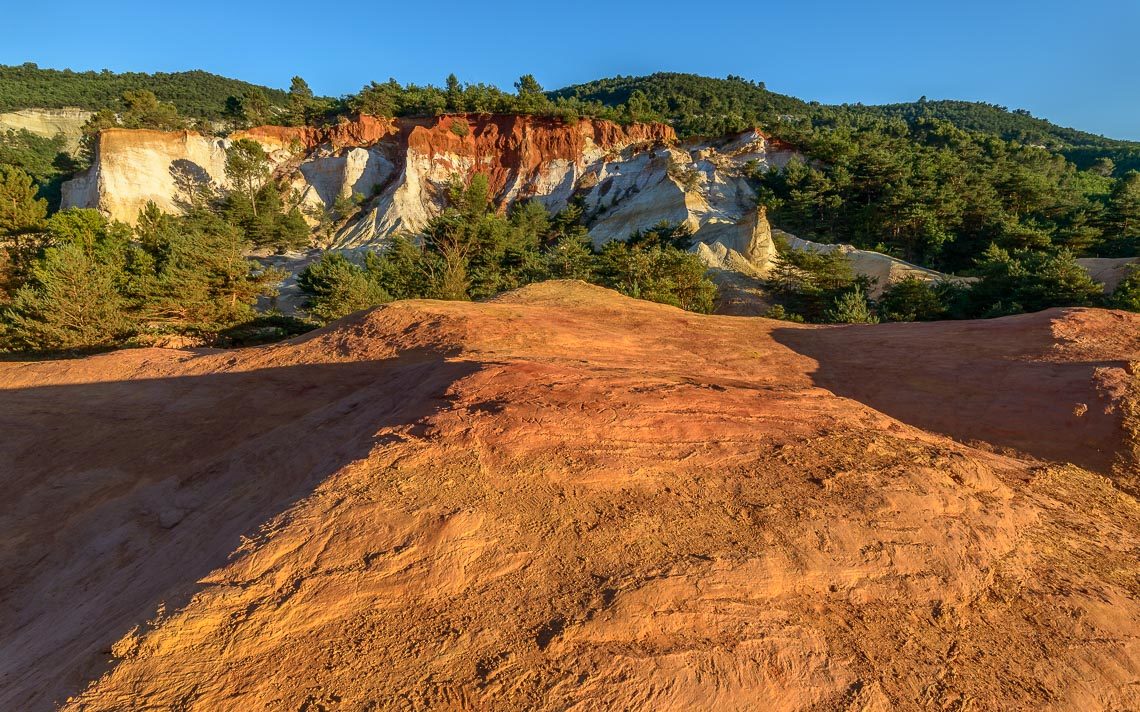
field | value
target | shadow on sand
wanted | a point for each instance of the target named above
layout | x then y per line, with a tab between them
960	379
122	496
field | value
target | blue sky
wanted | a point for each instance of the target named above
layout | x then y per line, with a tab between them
1073	63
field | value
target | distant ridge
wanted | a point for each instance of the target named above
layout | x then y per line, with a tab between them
711	106
195	93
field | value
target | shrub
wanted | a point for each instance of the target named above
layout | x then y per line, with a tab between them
1027	281
1127	293
852	308
779	312
336	287
911	299
659	274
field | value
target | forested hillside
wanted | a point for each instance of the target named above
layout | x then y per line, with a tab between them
694	105
1080	147
951	185
195	94
708	106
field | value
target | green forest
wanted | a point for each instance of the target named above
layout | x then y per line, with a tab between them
706	106
966	188
196	94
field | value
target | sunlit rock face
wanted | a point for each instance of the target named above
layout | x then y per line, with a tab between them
523	157
132	167
49	123
397	171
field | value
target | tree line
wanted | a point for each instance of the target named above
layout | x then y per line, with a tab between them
939	196
821	287
197	94
708	106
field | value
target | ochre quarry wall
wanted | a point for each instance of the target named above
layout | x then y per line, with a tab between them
511	149
361	131
48	123
628	177
132	167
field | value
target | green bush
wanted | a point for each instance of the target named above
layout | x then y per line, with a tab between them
1028	280
912	299
1127	292
812	283
658	274
852	308
778	311
336	286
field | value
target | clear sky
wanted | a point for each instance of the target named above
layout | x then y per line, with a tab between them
1075	63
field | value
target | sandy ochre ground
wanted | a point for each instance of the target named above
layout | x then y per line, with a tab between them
569	500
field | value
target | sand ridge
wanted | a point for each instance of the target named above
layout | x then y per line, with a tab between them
566	499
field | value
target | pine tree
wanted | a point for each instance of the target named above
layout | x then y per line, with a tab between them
1127	292
21	212
571	257
1122	236
22	218
234	282
531	98
255	107
247	168
299	88
143	110
71	302
337	287
300	101
291	232
455	100
852	308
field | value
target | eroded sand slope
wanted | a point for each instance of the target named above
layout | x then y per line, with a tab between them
565	499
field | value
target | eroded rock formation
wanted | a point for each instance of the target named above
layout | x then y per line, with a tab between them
566	499
132	167
49	123
629	177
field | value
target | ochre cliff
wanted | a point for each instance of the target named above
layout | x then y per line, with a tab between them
360	131
48	122
131	167
629	177
516	150
522	156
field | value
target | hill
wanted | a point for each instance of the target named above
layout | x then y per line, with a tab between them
935	183
196	93
711	106
692	104
568	499
1080	147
